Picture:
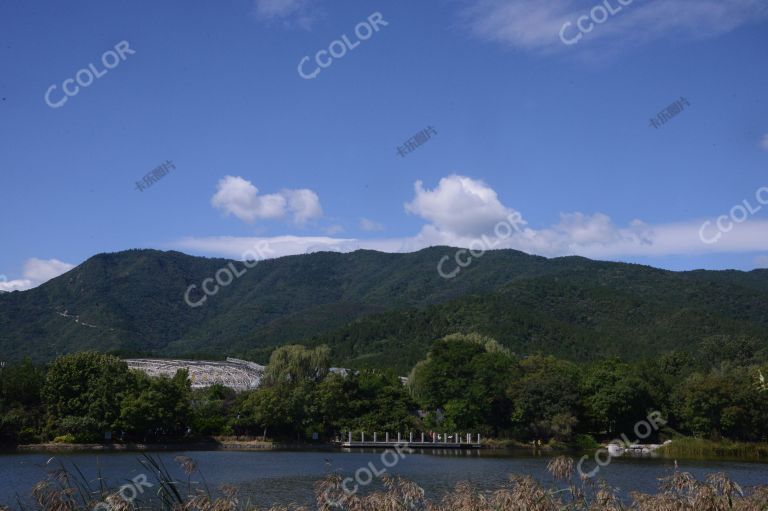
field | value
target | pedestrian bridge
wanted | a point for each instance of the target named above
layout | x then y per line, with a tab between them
412	440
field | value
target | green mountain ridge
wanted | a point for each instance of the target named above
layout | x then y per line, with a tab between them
379	309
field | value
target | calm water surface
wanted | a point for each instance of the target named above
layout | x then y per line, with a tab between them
288	476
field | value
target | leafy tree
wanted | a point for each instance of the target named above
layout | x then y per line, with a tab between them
737	350
22	384
614	398
268	411
211	409
158	408
21	413
90	386
333	403
545	398
465	377
380	402
676	364
458	415
493	373
81	429
726	402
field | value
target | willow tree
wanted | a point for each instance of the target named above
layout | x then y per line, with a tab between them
283	403
295	364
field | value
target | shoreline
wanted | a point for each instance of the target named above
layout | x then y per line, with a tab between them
704	450
213	445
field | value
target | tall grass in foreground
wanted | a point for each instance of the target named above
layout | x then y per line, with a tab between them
700	448
68	490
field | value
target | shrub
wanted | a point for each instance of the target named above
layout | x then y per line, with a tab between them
65	439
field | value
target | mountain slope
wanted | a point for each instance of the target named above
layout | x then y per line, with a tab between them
630	313
374	308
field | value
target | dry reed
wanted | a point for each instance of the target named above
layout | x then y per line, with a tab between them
67	490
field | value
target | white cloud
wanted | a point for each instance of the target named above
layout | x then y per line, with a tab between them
593	236
278	246
640	239
41	271
520	23
535	25
277	8
15	285
239	197
459	206
289	12
36	272
464	212
334	229
304	204
369	225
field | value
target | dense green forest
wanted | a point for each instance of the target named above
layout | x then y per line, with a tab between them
378	310
466	383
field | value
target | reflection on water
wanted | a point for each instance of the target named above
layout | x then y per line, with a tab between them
268	477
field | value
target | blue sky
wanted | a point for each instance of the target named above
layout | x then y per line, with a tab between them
524	123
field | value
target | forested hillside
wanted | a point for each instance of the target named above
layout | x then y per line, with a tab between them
378	309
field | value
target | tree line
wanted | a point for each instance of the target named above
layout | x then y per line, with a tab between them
466	383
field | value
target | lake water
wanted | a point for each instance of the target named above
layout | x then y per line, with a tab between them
267	477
